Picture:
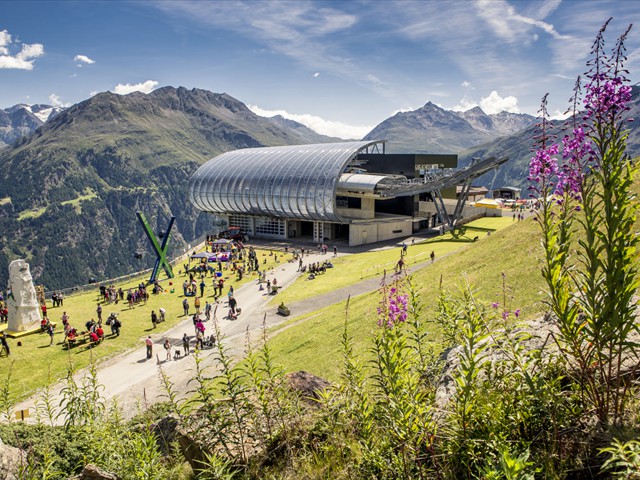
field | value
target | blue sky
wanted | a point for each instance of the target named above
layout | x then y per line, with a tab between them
340	67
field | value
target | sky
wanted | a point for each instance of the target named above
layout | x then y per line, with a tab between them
339	67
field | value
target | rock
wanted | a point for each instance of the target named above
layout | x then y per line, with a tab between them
92	472
22	301
539	334
307	385
165	432
193	448
11	458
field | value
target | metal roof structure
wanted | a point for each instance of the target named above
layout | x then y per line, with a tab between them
295	182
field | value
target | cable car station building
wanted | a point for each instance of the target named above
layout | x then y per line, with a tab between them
350	191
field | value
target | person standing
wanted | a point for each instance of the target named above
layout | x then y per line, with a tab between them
149	344
185	306
99	312
4	344
167	348
50	333
185	344
433	256
163	312
196	304
233	303
154	318
202	285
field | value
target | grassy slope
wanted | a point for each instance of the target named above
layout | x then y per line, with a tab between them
34	358
314	345
351	269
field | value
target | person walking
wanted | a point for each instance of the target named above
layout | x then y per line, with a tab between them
185	344
167	348
154	318
149	344
433	256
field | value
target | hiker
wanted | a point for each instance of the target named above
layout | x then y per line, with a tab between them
149	344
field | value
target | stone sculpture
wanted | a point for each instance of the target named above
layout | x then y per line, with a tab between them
22	301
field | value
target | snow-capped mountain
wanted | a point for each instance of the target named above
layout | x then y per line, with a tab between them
22	119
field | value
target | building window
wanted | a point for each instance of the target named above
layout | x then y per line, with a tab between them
241	221
270	227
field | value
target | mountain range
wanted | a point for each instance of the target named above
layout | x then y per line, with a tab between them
432	129
70	187
69	191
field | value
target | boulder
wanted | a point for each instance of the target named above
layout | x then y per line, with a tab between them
11	458
307	385
538	335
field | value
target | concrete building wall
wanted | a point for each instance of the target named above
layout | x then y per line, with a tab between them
365	212
363	233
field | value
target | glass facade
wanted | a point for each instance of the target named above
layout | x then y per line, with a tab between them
294	182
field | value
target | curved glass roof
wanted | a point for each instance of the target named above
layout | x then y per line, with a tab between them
297	182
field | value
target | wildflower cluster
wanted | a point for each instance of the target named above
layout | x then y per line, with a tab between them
393	309
606	96
544	165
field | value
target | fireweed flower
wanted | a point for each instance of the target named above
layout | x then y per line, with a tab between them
544	166
394	308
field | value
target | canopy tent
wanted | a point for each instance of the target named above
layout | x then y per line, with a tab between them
487	203
200	255
223	241
220	257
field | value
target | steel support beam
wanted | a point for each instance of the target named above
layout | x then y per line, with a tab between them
160	249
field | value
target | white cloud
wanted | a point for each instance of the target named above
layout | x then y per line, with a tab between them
494	103
83	59
55	101
317	124
93	93
144	87
466	84
509	25
5	40
316	75
464	105
23	60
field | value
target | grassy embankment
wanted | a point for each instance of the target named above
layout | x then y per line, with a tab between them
312	342
35	358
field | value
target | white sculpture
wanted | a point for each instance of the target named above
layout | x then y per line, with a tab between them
22	301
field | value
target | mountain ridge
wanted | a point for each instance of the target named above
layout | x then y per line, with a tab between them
70	189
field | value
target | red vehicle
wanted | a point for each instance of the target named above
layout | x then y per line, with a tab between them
235	233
